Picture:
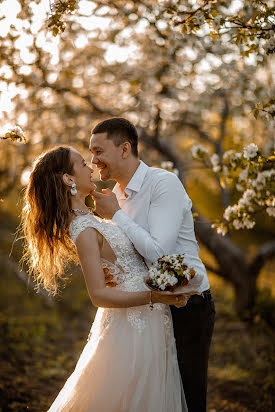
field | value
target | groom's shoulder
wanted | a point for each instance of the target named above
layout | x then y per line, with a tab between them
159	178
156	173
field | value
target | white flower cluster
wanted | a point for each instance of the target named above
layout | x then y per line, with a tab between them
215	161
243	174
170	167
259	182
230	157
16	131
270	210
247	171
221	229
270	45
169	271
162	280
198	151
246	200
255	196
250	151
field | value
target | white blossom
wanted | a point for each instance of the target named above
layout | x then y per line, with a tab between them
259	182
187	274
250	151
216	169
229	211
270	211
214	159
221	230
270	202
247	223
243	175
18	131
237	224
239	187
198	150
227	153
167	165
245	200
269	173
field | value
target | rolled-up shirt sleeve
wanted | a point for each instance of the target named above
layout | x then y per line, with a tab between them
169	203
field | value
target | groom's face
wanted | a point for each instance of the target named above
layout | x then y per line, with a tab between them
106	156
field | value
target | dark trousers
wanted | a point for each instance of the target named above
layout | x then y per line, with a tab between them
193	329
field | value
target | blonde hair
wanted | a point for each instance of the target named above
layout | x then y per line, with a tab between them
46	217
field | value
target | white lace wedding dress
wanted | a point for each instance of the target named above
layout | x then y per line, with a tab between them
129	363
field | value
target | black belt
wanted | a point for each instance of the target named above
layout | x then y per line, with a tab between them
204	297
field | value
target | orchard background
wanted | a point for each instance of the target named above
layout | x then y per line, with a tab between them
196	79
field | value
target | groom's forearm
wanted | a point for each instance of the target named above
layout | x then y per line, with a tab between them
148	247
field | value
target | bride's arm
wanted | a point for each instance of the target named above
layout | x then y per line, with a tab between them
102	296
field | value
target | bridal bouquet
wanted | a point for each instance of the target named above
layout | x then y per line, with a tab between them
169	273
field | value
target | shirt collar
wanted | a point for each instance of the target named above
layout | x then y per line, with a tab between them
136	181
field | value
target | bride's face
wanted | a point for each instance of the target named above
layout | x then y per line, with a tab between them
82	174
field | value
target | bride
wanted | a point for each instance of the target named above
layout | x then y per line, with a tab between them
129	363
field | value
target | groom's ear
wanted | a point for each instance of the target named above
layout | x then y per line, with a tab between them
67	179
126	149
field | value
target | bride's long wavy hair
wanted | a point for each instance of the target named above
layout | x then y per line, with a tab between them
45	219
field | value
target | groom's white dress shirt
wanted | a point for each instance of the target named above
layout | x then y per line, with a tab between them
156	216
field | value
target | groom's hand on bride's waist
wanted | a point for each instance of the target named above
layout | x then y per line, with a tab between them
106	204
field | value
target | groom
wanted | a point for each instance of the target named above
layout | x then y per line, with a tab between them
152	207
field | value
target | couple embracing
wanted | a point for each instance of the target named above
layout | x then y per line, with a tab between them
147	351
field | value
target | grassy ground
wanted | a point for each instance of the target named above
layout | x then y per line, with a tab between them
41	342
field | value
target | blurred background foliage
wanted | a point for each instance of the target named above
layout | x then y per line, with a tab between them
123	59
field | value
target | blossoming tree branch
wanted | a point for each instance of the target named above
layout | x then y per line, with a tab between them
252	174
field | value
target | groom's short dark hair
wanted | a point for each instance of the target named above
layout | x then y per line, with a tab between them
119	130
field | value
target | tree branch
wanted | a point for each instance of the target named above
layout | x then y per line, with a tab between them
266	252
202	135
163	148
212	269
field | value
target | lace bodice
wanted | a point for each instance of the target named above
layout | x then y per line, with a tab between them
129	269
129	272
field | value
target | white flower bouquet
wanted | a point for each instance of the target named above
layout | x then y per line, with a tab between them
170	273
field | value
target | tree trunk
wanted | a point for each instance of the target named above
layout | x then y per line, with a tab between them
245	294
233	267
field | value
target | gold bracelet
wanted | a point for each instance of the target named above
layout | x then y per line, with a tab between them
151	303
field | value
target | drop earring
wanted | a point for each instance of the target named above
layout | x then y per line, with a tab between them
73	189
